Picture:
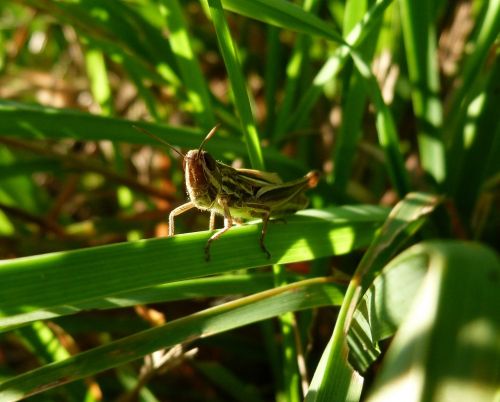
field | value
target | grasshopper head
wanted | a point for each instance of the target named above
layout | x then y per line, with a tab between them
201	177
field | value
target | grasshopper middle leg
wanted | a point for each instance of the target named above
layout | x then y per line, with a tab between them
228	224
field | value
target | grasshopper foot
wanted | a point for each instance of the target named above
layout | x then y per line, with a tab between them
279	220
264	249
207	251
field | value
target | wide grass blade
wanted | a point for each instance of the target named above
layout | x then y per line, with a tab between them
257	307
405	219
66	278
447	347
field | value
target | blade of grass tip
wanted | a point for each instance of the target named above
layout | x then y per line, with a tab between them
419	34
241	96
197	91
386	130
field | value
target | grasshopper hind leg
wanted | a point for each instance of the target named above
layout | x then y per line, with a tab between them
265	221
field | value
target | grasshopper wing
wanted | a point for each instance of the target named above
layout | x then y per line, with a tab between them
263	177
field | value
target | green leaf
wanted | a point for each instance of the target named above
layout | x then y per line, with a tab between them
404	220
71	277
297	296
448	346
419	32
285	15
241	96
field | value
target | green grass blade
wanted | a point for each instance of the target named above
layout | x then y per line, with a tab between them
450	335
284	15
408	215
42	341
233	386
99	82
214	286
470	80
480	135
241	96
386	130
334	64
261	306
296	64
192	77
32	121
273	72
354	104
35	283
419	33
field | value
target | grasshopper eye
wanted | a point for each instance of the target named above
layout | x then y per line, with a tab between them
209	161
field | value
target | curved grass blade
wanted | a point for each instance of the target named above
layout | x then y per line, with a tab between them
404	220
447	347
298	296
68	278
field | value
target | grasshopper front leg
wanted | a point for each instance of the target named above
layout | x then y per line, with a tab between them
177	211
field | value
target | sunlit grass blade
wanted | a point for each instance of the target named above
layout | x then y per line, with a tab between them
354	105
192	78
241	96
419	33
285	15
257	307
451	330
386	130
335	62
35	283
469	85
404	220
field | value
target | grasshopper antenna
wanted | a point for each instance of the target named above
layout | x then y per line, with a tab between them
155	137
209	135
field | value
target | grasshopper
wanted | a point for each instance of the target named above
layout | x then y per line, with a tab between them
236	194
